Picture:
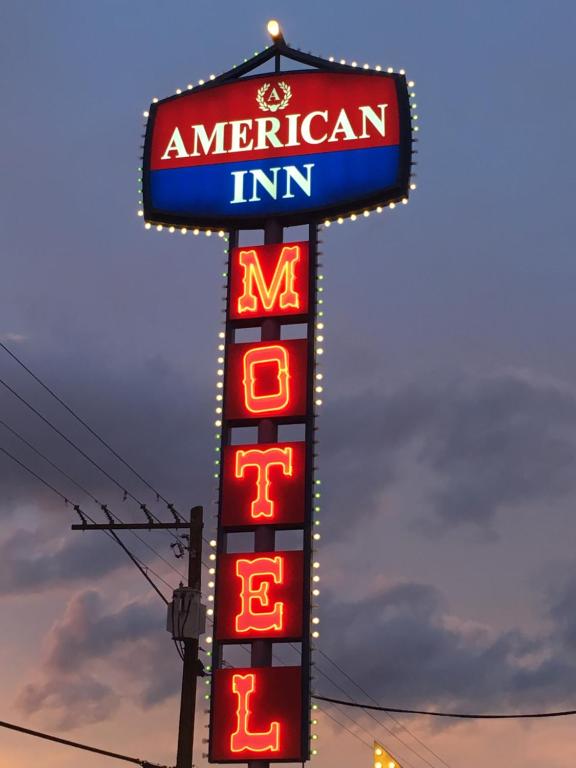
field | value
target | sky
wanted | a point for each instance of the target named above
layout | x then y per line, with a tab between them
448	430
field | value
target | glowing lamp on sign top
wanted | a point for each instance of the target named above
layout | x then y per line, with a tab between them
273	28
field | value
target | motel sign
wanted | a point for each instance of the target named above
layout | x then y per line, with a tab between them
271	151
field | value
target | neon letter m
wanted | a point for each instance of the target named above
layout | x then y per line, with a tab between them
270	296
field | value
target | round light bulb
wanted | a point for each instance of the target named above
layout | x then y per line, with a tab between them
273	28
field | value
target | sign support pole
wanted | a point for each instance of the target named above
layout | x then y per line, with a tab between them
264	538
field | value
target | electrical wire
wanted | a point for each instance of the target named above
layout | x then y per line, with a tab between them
355	722
459	715
72	443
46	483
350	731
98	437
394	719
405	762
378	722
91	496
149	515
141	567
78	745
137	564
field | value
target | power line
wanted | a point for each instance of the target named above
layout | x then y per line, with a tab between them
325	712
72	443
89	494
394	719
78	745
378	722
149	515
137	564
460	715
141	567
404	761
343	725
46	483
350	731
90	429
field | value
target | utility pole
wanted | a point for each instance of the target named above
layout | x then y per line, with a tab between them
192	666
186	618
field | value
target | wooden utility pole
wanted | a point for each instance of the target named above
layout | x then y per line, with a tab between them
192	666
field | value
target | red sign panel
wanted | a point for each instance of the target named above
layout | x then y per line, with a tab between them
269	280
231	124
260	595
266	379
256	715
263	484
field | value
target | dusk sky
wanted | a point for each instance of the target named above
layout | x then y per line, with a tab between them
448	430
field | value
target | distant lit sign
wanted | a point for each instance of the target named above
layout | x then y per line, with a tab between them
292	145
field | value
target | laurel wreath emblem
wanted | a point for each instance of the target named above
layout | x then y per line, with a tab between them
265	106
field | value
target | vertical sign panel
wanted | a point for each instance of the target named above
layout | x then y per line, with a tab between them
269	280
261	712
264	484
258	713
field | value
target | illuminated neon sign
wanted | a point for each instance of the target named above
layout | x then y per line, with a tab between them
269	280
243	739
262	460
263	484
266	379
257	612
265	362
243	151
264	594
260	595
265	706
296	146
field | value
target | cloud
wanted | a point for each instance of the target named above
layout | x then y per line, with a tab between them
502	442
96	658
72	701
13	338
488	445
401	644
87	633
32	561
405	649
